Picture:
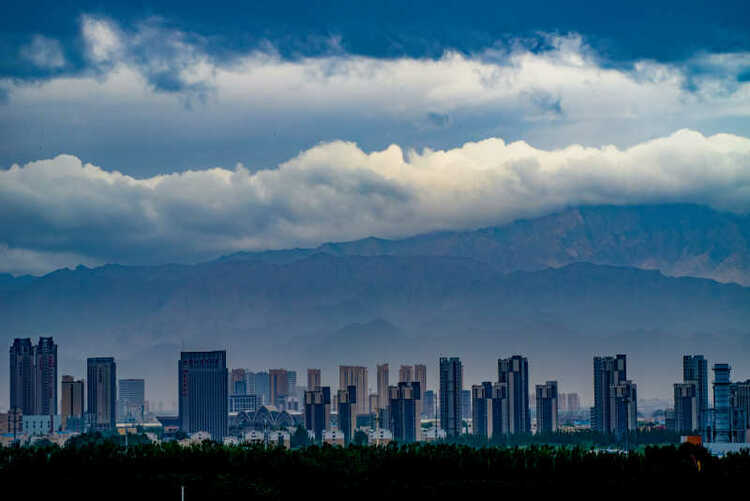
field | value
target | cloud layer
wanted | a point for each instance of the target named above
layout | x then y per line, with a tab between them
162	92
64	209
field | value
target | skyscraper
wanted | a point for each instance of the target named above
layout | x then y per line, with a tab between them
623	408
132	399
279	386
383	383
420	376
313	379
514	371
500	409
72	399
722	426
695	370
372	407
428	403
101	382
355	376
263	387
608	371
291	381
238	382
318	410
203	379
686	408
546	407
22	395
403	411
45	376
481	409
451	387
347	412
739	395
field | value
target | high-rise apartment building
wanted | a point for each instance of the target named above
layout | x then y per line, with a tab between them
203	392
313	379
481	410
573	402
695	370
428	405
465	404
101	383
451	389
132	400
279	386
45	376
514	372
291	379
739	395
357	377
72	400
500	409
608	372
262	387
405	374
546	407
22	394
623	408
687	410
238	382
347	412
372	406
318	410
383	383
404	420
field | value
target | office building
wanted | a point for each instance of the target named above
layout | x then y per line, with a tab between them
22	395
318	411
687	410
514	372
451	392
623	408
546	407
72	400
739	396
420	376
262	387
101	395
279	387
405	374
481	410
357	377
132	400
45	376
243	403
313	379
383	384
608	372
291	381
465	404
500	410
695	370
203	392
402	403
347	412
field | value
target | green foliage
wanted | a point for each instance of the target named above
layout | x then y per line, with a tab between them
360	438
102	469
299	438
584	438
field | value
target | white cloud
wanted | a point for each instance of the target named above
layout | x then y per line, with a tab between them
44	52
336	192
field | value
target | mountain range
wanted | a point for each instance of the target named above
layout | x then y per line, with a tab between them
654	282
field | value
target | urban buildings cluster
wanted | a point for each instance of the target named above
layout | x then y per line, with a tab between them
269	405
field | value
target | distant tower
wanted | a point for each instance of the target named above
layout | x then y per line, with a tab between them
318	410
514	371
203	391
313	379
72	400
132	393
355	376
695	370
45	361
451	388
722	410
403	411
279	386
347	413
405	374
22	395
102	393
481	410
383	383
608	372
546	407
686	408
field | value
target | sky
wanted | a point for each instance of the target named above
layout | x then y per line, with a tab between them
152	132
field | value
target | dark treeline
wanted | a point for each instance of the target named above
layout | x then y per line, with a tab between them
582	438
101	469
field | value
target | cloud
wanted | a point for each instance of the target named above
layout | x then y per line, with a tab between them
336	191
43	52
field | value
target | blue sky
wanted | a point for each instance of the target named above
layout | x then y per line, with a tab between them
415	116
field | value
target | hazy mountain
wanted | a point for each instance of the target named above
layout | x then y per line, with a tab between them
324	309
679	240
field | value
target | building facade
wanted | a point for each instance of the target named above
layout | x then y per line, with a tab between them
623	408
695	370
203	392
355	376
318	411
383	384
481	410
45	376
313	379
72	400
132	400
22	395
279	387
347	412
608	372
687	411
514	372
546	407
101	394
451	389
403	411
